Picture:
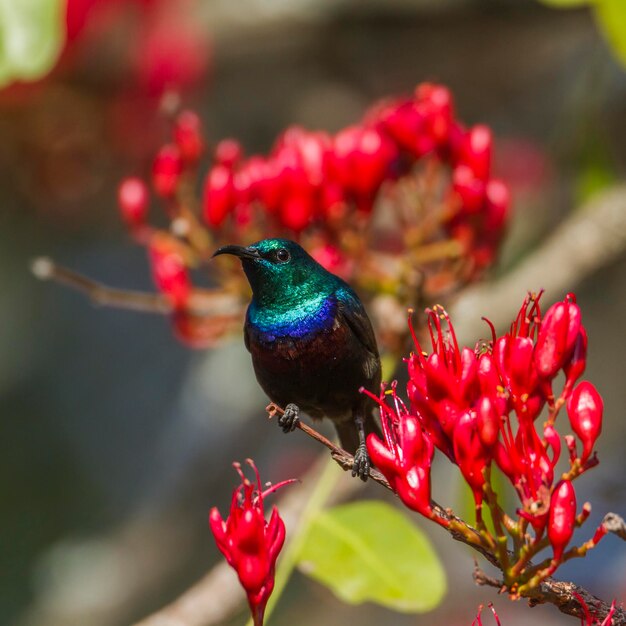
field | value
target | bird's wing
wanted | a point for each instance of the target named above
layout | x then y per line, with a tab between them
351	312
246	335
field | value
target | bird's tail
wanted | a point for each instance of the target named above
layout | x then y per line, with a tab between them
349	435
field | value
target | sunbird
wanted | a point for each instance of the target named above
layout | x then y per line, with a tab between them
312	343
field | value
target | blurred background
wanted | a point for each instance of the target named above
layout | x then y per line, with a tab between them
115	438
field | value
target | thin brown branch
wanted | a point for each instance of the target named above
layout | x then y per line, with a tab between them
483	579
45	268
615	524
202	302
459	529
565	596
343	458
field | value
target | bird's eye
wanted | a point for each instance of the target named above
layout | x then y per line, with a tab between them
283	255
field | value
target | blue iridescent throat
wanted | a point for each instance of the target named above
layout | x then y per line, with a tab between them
297	322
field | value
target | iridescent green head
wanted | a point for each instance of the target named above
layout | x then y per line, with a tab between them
281	271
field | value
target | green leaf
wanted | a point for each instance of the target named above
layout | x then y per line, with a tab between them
611	18
368	550
32	33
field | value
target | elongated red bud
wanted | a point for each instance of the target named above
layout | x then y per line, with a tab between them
477	153
575	366
520	370
488	375
470	454
557	337
166	170
170	273
497	206
228	152
468	384
297	211
585	409
133	198
218	196
562	517
488	422
188	136
470	188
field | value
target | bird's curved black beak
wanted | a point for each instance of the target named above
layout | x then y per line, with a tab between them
241	251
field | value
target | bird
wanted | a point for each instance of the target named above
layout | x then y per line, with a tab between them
312	344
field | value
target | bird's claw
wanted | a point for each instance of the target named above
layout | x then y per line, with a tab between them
290	418
361	465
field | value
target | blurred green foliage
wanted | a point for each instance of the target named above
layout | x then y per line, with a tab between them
32	35
610	16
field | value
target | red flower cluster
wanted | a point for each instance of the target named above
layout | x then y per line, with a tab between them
314	177
171	163
168	48
464	402
405	455
442	209
250	543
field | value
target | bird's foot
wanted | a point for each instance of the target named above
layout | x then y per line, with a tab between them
290	418
361	465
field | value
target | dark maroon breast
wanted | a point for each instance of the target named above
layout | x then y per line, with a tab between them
321	373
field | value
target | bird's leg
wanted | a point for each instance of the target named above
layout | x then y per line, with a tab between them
290	418
361	466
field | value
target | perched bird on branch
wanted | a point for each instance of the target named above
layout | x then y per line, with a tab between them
312	344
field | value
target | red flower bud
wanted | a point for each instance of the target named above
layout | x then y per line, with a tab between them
575	365
360	159
166	170
488	376
477	151
470	188
562	517
407	126
169	272
488	422
188	136
435	103
228	152
585	408
559	329
514	357
219	196
471	456
297	211
133	198
497	207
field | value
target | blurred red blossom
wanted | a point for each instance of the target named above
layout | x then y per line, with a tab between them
399	203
